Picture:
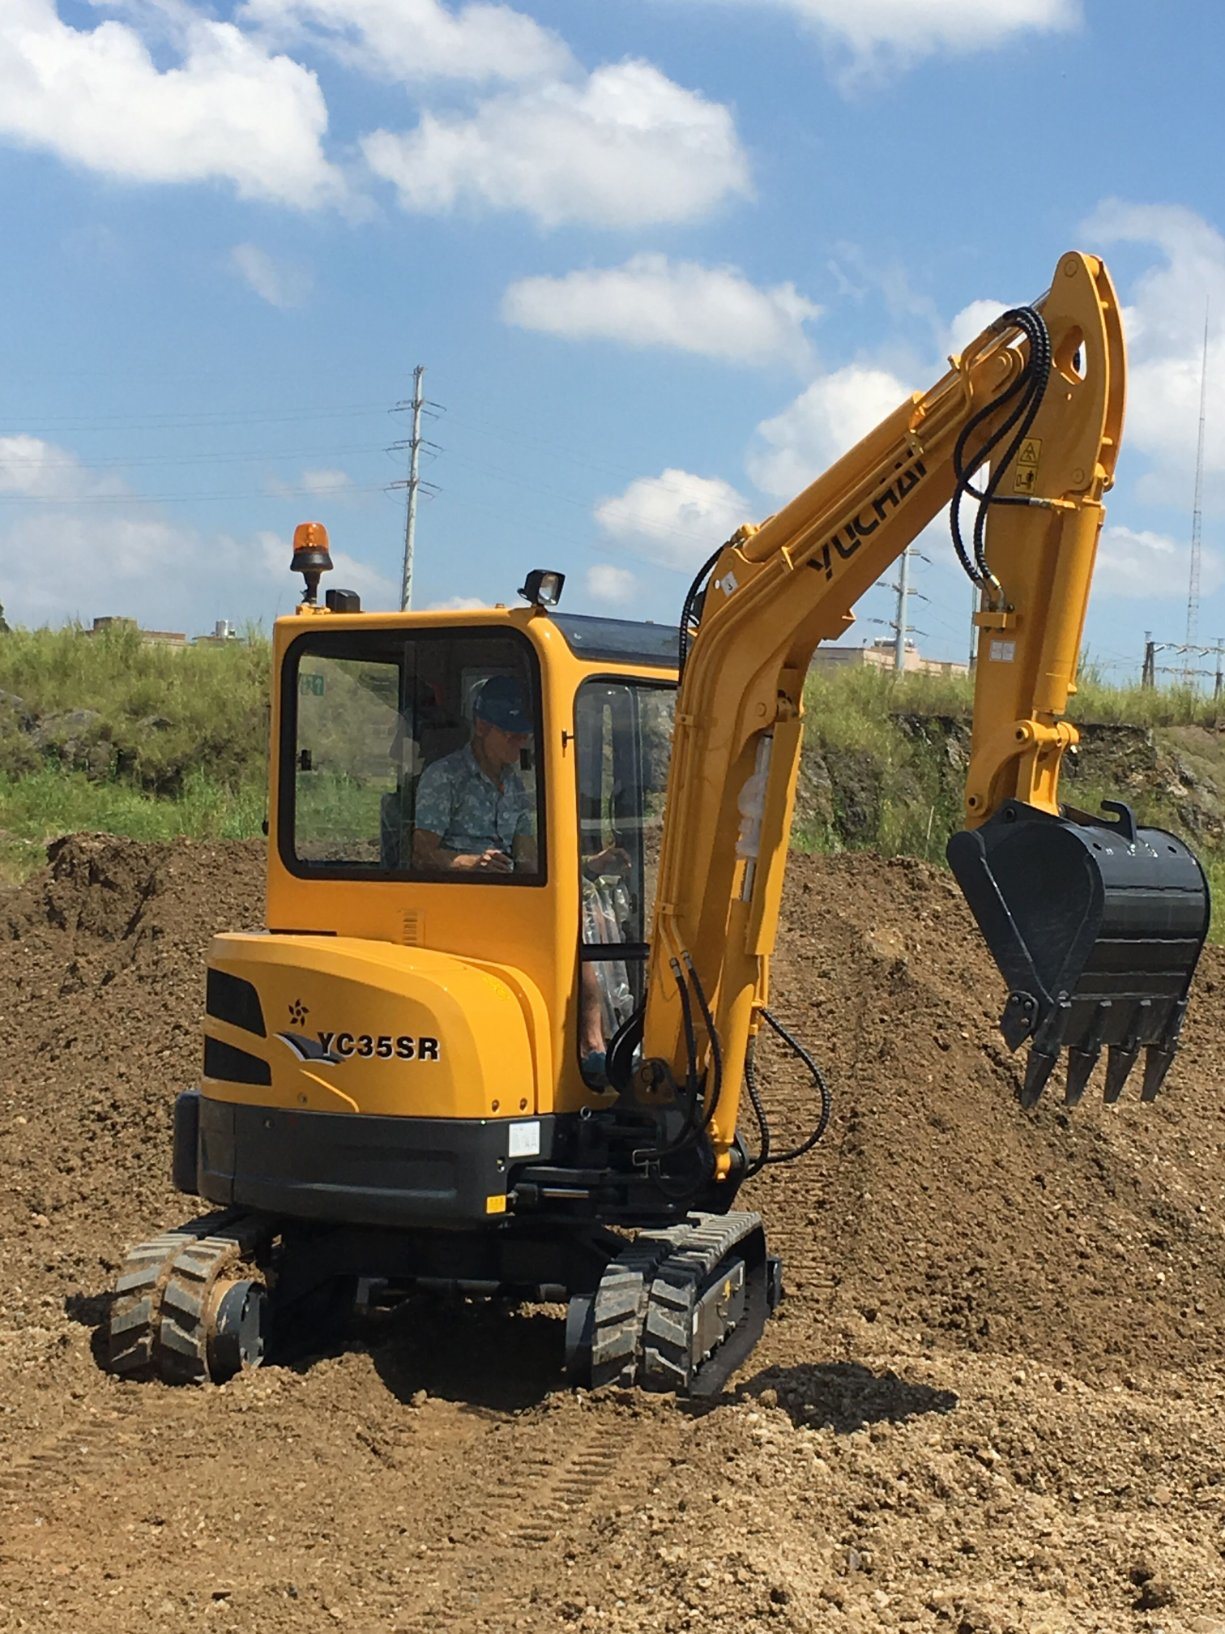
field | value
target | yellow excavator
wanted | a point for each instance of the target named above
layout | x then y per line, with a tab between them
524	874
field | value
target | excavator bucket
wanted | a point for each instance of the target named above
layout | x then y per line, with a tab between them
1096	926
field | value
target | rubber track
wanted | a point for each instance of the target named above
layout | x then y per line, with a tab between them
667	1363
621	1305
157	1324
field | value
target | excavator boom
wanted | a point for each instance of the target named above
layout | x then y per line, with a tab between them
1095	924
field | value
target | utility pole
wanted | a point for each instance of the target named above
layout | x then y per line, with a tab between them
903	590
975	601
1197	508
1148	673
1220	679
414	461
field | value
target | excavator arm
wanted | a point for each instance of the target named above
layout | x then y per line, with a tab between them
1095	925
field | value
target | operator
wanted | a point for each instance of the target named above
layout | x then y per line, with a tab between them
474	812
475	815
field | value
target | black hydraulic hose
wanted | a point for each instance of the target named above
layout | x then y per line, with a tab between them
1034	327
691	1043
689	613
689	1131
1030	388
963	470
818	1078
716	1047
625	1041
759	1162
765	1156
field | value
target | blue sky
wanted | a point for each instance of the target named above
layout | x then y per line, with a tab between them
662	259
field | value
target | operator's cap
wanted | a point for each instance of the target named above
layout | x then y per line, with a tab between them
500	702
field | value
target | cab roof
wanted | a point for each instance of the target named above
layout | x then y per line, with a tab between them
619	640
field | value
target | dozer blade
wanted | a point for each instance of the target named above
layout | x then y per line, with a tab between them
1096	926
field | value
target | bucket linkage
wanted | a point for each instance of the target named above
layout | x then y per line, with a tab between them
1096	926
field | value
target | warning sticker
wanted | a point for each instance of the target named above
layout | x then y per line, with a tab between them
1027	465
1004	652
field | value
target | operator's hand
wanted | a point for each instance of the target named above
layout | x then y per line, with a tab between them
492	861
614	859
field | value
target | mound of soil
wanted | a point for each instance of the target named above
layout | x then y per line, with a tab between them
992	1401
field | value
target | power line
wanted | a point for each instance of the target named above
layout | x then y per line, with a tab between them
128	498
195	420
222	457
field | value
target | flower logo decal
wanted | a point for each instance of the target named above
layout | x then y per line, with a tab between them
298	1013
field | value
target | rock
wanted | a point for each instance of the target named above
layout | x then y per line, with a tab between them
1155	1593
78	738
11	704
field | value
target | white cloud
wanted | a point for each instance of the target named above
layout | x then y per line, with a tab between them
35	469
280	283
616	586
229	112
879	32
73	564
970	323
1165	336
651	301
348	572
826	420
326	481
626	147
1146	566
321	482
419	40
675	519
76	544
455	604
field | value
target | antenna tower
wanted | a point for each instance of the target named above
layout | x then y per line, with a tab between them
1197	509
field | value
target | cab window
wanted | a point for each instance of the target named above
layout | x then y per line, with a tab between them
412	756
624	738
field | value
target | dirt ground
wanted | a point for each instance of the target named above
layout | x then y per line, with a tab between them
994	1399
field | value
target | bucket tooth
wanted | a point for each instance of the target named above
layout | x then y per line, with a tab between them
1038	1069
1099	1026
1084	1057
1080	1069
1156	1065
1120	1059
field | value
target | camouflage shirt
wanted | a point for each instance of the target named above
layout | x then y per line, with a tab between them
457	801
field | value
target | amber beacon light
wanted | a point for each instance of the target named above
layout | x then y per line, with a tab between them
311	557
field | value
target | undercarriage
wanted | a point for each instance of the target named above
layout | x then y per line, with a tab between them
671	1310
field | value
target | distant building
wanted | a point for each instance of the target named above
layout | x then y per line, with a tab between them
152	638
881	655
223	633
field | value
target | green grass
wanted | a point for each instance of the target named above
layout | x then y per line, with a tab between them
176	745
845	697
163	714
37	808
